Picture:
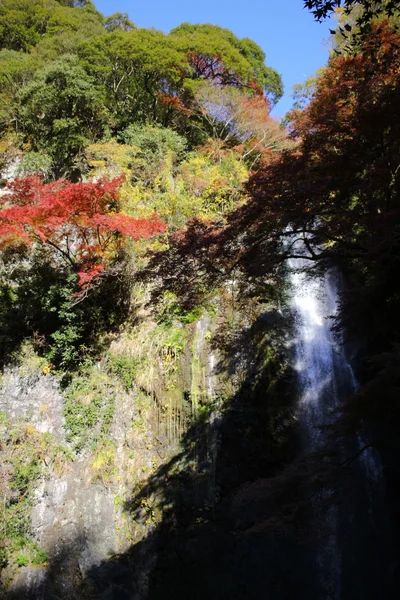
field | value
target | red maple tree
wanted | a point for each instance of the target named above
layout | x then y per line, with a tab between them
80	222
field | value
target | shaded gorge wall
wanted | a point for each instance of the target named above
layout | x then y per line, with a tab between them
138	457
199	457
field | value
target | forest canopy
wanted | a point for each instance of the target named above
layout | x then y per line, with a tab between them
182	122
112	136
70	77
151	210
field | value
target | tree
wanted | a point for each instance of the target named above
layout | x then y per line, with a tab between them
217	55
303	92
353	22
240	120
119	21
78	222
24	23
61	111
16	71
338	190
135	68
370	8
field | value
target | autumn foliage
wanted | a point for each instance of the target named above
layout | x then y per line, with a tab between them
338	188
79	222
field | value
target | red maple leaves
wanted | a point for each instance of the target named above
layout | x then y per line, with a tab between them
80	222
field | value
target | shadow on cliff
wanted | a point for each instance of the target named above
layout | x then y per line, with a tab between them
236	513
197	545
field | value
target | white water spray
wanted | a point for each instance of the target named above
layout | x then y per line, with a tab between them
325	378
324	374
322	370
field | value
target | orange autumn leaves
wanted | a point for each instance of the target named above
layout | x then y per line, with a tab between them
79	222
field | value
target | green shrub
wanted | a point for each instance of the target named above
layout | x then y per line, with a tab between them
35	163
88	408
39	556
125	368
22	560
22	449
154	141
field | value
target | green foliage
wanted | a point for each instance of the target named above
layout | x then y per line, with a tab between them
29	362
170	311
103	461
22	452
38	299
23	23
118	21
134	68
303	92
70	76
37	304
354	21
22	560
36	163
123	367
67	348
38	556
369	10
16	70
88	408
213	187
172	338
216	54
155	142
162	178
61	112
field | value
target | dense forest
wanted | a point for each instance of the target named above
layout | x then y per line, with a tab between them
150	212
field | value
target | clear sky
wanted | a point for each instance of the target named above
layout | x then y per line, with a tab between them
295	45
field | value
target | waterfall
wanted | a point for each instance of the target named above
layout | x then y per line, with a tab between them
325	378
324	374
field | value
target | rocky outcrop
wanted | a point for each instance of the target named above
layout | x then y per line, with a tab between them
33	398
72	516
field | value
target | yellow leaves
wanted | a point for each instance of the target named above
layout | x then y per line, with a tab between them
108	158
203	185
217	185
103	462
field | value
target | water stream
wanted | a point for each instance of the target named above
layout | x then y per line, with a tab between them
324	374
325	378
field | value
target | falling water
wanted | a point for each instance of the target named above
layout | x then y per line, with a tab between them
325	378
324	374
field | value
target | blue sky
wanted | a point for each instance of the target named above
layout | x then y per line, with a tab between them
295	45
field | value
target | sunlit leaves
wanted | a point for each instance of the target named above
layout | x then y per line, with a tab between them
241	120
216	55
61	111
79	222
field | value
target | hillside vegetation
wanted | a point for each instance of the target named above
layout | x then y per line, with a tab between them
149	204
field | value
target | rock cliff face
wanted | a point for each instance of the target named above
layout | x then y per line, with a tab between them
68	510
33	398
166	442
78	512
